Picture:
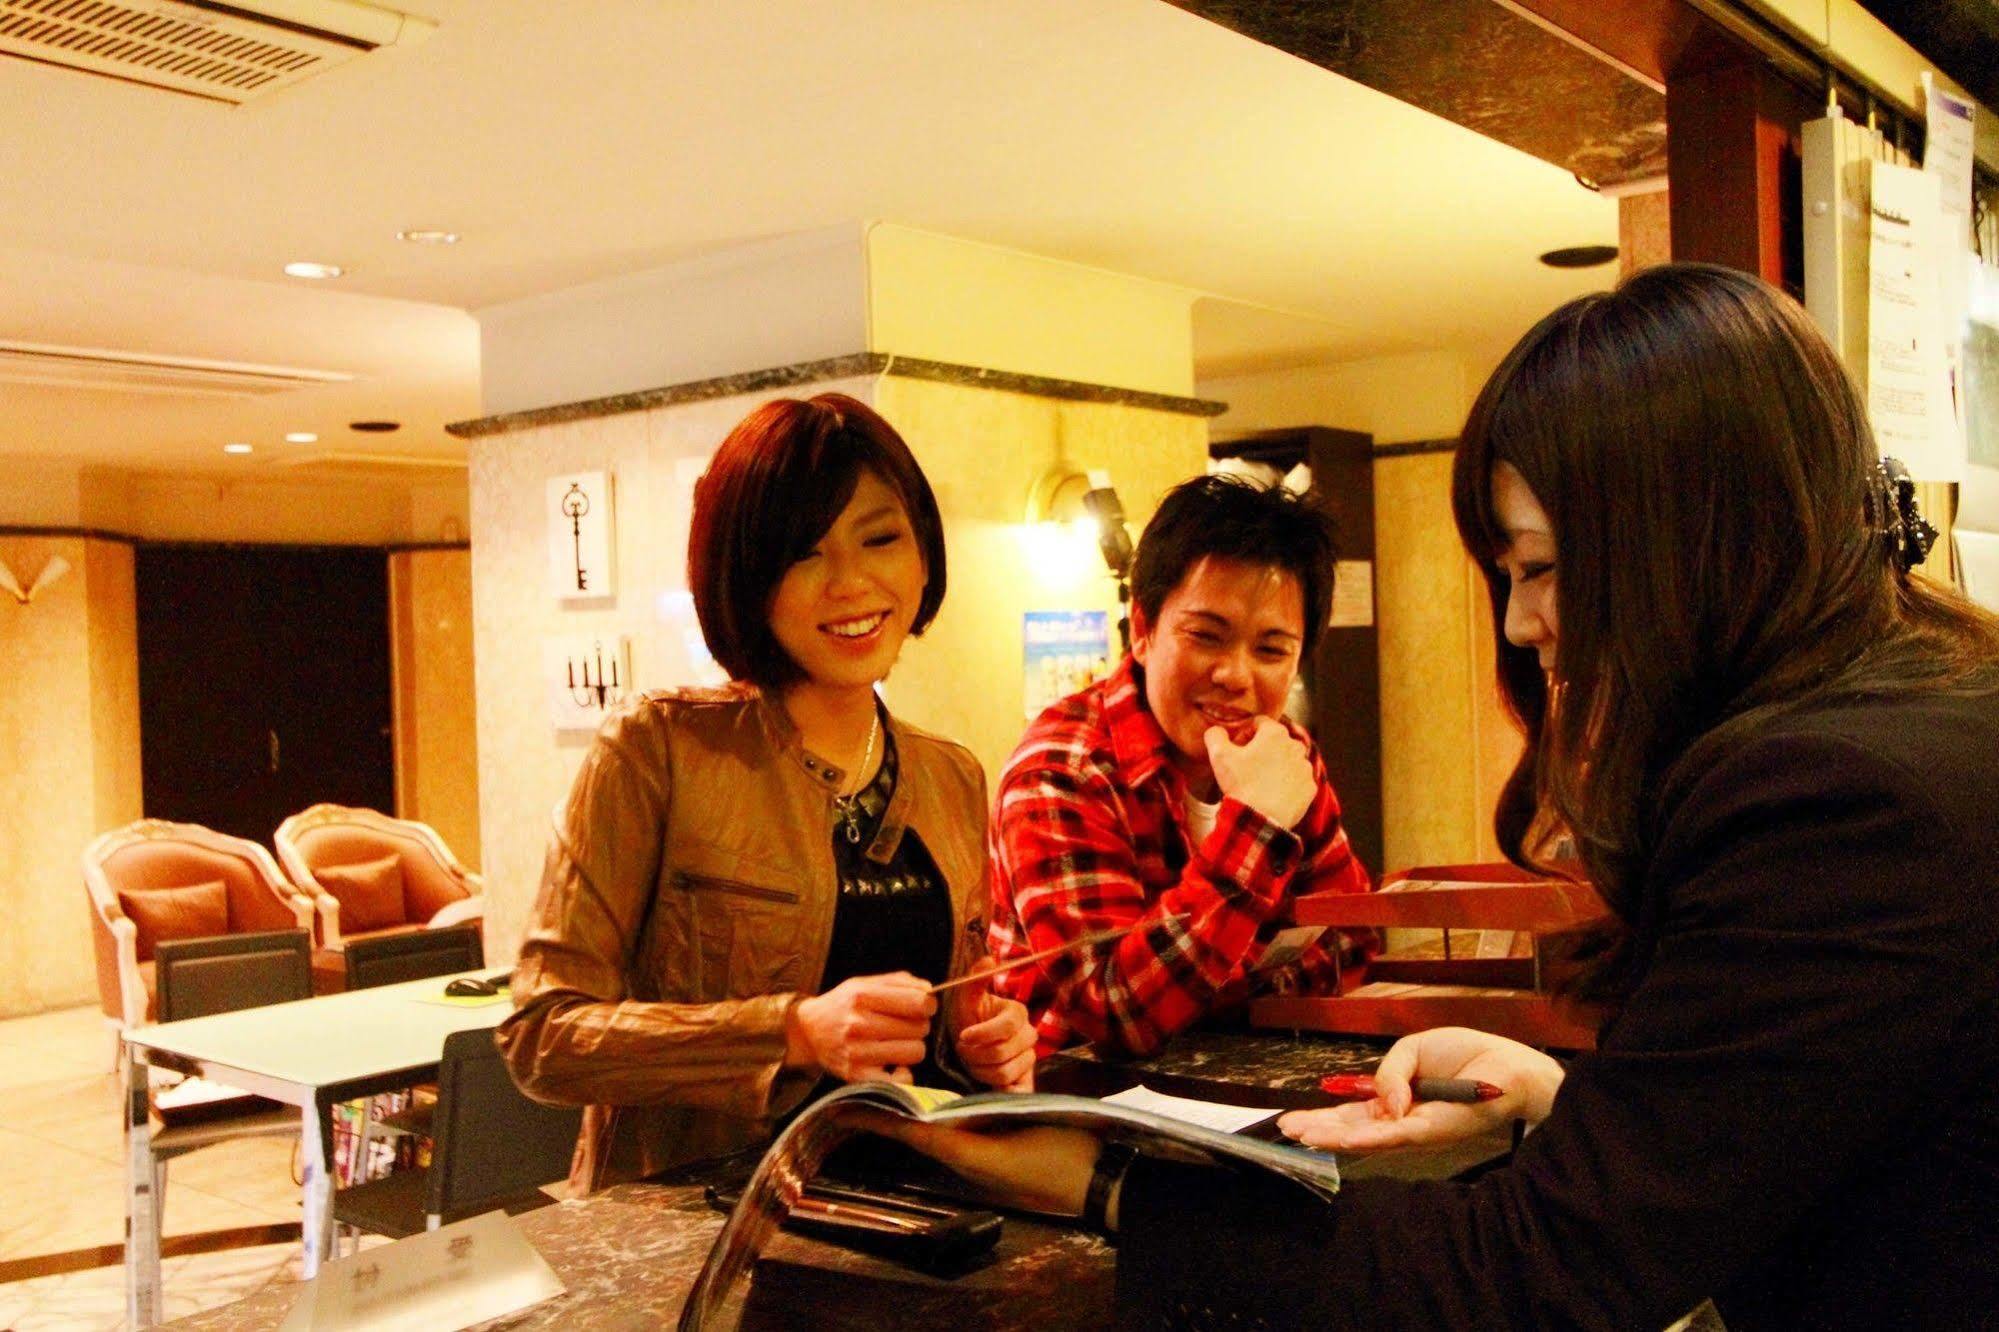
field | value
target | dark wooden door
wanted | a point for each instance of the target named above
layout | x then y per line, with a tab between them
263	683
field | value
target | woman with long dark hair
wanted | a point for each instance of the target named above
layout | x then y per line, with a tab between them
751	889
1775	749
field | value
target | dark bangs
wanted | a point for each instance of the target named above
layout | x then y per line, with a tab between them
773	490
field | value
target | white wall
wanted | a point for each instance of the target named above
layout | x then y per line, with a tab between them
749	307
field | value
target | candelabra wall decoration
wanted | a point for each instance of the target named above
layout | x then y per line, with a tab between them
581	536
587	675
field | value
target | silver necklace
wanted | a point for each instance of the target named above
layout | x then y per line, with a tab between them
848	807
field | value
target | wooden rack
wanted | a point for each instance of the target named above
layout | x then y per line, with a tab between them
1492	981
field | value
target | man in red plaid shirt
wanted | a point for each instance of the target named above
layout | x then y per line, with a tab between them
1172	795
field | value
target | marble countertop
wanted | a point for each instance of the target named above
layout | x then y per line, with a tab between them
629	1255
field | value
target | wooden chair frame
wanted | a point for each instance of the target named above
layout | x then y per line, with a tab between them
120	966
290	832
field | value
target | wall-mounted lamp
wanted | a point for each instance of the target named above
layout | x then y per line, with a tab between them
51	572
1086	500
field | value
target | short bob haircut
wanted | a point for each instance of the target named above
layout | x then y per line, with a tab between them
772	491
1232	519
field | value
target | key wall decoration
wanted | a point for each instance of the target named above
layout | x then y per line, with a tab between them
580	536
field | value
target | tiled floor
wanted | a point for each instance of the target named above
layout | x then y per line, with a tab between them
62	1185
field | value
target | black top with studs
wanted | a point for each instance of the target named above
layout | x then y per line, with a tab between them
893	915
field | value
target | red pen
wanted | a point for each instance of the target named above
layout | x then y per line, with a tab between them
1463	1091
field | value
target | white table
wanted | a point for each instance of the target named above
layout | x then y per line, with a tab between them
312	1053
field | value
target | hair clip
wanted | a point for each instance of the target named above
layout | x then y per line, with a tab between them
1898	517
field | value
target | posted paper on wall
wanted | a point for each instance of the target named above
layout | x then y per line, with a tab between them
1353	595
1948	137
1908	384
1947	159
1061	651
1978	565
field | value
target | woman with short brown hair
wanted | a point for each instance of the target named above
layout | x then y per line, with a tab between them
752	888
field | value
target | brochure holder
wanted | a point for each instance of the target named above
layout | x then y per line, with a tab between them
1486	970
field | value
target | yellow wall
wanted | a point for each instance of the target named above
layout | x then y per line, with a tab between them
943	299
1439	708
114	681
166	508
437	743
982	451
39	492
69	746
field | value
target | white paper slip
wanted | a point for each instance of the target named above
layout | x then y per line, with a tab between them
1288	945
1978	565
1208	1114
437	1281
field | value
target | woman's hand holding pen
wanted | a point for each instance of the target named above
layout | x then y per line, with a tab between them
1394	1119
864	1027
995	1041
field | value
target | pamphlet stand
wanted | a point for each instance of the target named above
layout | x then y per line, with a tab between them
1485	972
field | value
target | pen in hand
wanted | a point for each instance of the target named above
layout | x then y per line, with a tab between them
1461	1091
1073	946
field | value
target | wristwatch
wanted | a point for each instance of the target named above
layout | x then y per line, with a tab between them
1112	1162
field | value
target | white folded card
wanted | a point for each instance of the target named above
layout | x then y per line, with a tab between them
439	1281
1208	1114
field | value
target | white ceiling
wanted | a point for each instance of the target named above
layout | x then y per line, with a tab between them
574	141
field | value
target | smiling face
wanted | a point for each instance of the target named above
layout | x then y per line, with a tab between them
842	610
1224	652
1528	561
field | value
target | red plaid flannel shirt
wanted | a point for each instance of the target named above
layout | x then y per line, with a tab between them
1090	833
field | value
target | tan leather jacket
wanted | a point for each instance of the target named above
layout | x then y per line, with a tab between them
687	904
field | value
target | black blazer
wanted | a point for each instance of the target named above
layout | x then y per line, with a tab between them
1795	1113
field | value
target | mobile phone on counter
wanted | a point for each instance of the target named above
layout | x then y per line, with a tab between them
935	1237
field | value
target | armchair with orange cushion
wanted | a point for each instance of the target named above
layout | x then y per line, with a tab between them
152	881
371	875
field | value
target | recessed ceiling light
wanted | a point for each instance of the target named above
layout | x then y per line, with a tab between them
374	427
1580	256
427	236
237	448
301	437
309	270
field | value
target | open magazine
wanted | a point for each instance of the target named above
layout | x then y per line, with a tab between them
794	1160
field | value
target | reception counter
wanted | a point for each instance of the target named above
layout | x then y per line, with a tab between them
629	1254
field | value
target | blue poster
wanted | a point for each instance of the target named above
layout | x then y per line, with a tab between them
1062	651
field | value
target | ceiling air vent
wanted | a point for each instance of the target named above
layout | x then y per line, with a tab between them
139	372
222	52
